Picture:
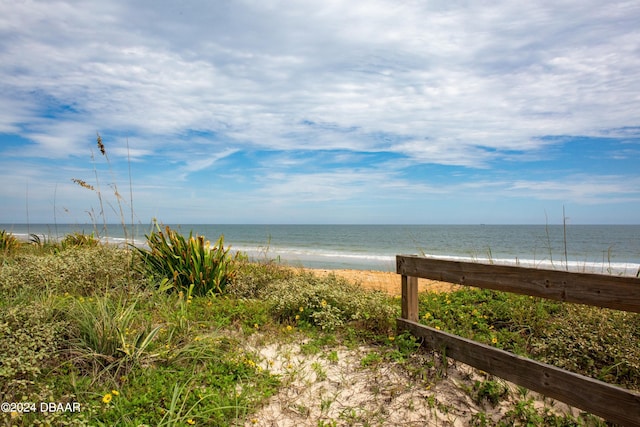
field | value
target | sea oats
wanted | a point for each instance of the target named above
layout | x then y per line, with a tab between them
83	184
101	145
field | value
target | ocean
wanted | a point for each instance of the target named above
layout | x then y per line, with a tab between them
613	249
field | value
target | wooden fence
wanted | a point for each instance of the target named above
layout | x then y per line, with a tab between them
613	403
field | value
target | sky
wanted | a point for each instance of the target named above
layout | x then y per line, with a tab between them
266	111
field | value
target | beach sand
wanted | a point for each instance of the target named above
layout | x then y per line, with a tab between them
386	281
342	389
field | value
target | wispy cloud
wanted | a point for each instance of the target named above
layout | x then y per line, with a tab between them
335	91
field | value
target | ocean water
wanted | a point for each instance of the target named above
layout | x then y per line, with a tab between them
594	248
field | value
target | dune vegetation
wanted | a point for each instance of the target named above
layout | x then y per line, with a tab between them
176	335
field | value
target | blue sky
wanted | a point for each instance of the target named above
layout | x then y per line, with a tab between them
321	111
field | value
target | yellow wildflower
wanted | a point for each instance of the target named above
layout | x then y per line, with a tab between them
289	328
107	398
190	421
494	340
301	309
391	338
323	303
115	392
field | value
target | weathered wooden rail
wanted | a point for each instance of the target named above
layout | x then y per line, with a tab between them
613	403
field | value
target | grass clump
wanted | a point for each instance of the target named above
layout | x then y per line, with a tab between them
8	243
110	334
190	264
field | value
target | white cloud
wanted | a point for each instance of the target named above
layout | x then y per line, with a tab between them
584	189
435	82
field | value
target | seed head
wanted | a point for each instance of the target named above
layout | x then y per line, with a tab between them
83	184
101	145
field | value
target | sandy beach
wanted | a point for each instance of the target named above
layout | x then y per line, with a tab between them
386	281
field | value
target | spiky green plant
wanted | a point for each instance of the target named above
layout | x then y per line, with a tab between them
192	264
110	333
8	242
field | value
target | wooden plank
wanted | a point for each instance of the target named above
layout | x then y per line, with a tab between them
410	298
617	292
613	403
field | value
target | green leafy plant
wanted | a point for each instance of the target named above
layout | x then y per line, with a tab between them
587	340
190	263
523	413
491	390
405	345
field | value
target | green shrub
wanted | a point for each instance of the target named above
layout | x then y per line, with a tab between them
504	320
254	277
591	341
81	271
596	342
329	302
30	337
79	239
191	264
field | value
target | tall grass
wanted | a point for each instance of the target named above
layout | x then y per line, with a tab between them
8	243
101	215
111	335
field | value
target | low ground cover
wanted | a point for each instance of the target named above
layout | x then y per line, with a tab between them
90	324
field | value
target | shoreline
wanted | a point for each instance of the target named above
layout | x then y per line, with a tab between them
385	281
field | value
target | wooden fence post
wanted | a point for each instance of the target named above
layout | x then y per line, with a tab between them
410	298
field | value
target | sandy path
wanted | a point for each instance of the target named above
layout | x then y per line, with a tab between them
335	387
386	281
